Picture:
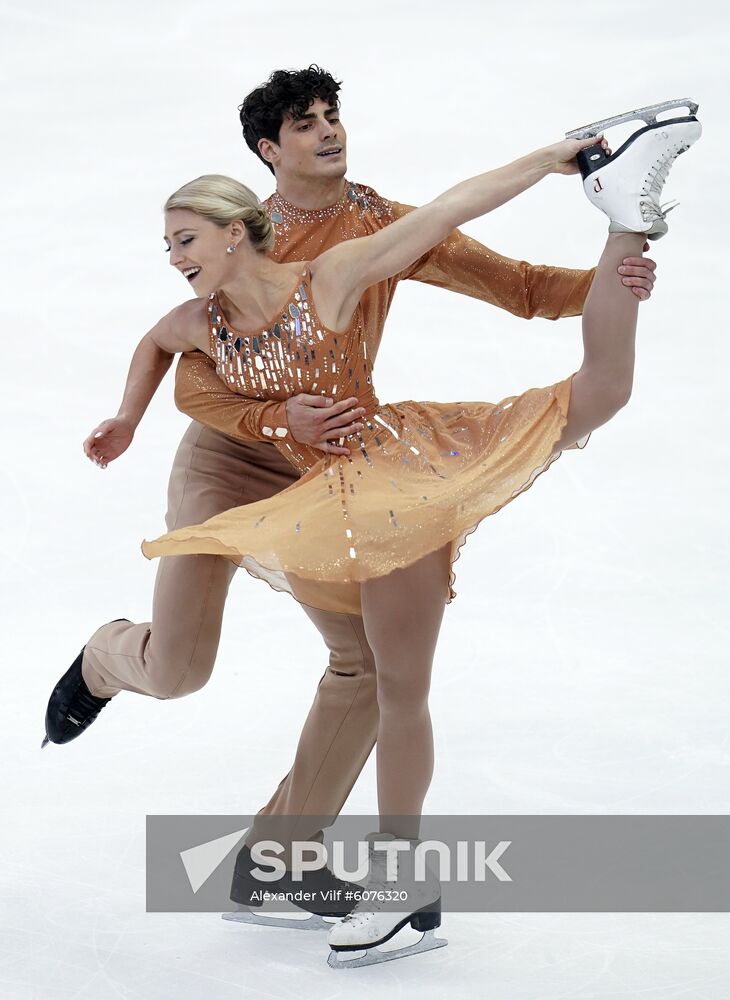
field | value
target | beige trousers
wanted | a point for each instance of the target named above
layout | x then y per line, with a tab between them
173	655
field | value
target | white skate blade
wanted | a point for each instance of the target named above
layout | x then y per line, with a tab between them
307	922
647	114
376	956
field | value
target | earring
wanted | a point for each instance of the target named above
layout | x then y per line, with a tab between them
230	249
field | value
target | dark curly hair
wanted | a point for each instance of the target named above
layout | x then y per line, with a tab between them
287	91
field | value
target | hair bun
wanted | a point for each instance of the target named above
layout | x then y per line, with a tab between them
223	200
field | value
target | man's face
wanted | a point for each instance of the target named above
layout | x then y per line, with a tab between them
311	147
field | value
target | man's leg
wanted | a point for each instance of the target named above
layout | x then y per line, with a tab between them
338	734
174	654
336	740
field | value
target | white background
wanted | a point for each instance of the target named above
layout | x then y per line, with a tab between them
583	666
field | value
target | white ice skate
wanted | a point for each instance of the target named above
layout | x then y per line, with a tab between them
373	922
627	185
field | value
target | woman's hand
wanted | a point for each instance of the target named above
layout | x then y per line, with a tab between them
562	155
109	440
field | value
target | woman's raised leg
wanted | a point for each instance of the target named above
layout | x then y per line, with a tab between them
603	383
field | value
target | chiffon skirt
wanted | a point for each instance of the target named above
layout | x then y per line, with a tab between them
421	475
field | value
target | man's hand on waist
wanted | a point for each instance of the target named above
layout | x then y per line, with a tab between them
318	421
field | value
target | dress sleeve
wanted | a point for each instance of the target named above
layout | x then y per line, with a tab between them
200	393
461	264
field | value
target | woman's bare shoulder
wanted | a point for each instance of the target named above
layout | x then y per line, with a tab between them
189	321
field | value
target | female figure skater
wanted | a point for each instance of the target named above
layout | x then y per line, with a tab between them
376	532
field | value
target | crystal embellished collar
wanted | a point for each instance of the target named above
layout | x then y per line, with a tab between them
281	210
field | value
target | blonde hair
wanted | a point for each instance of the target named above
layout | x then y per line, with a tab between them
223	200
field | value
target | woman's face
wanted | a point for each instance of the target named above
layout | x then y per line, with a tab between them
197	249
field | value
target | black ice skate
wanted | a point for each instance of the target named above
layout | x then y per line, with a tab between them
329	900
72	707
627	185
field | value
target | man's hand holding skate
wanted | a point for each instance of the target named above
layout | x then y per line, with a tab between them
639	274
318	421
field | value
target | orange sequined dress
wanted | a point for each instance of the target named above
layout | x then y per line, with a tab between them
419	474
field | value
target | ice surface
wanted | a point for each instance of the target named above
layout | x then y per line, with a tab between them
583	667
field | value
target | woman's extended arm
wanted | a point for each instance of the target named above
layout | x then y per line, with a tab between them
150	363
345	271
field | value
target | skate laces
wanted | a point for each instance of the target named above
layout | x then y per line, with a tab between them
656	178
86	704
377	880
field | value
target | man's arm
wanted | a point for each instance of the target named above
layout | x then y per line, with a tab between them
463	265
200	393
313	420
